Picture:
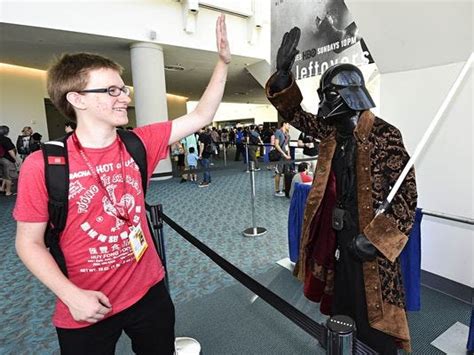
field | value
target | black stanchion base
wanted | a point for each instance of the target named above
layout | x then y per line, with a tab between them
254	232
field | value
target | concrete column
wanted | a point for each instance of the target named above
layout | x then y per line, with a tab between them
149	84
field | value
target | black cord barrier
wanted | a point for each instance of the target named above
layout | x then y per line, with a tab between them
299	318
337	340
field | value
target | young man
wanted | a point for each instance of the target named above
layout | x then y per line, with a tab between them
281	144
205	155
115	278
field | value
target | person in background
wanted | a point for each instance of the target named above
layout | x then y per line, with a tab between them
239	144
7	161
69	126
115	278
23	142
282	139
35	142
254	141
310	147
192	159
216	140
205	154
300	177
225	137
190	141
177	152
232	136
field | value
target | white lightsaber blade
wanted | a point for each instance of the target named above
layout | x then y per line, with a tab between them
427	134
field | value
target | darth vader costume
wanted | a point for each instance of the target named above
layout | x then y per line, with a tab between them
348	257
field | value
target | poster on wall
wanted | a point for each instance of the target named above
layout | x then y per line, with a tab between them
329	35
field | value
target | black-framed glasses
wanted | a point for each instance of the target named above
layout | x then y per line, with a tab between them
111	90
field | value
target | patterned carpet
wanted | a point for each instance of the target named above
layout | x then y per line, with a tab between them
216	215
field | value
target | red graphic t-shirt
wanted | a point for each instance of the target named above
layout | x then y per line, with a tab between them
95	241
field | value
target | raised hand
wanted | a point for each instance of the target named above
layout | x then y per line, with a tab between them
221	39
288	51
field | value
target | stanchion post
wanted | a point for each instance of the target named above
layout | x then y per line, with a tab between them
247	157
340	335
157	224
183	345
225	154
253	231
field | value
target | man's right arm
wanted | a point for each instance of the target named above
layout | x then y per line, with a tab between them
84	305
12	153
201	149
279	148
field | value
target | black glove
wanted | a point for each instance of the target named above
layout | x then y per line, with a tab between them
285	59
362	249
287	51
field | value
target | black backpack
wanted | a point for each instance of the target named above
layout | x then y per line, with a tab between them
253	139
57	184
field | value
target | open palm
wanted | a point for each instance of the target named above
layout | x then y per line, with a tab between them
221	38
288	51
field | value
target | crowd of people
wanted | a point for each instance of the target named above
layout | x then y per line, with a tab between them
12	156
201	148
197	150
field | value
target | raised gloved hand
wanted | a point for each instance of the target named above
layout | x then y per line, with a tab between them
362	249
287	51
285	58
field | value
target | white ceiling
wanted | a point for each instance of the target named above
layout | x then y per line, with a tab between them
401	35
35	47
406	35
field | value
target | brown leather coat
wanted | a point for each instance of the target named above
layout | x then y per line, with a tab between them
381	157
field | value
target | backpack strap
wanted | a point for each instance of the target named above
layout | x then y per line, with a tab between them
56	172
137	151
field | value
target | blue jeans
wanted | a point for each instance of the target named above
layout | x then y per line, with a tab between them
206	162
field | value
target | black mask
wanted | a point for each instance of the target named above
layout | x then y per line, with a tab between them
332	106
342	93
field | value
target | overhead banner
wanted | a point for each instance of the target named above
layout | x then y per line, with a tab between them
328	35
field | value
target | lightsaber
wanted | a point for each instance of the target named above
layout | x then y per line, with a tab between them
427	134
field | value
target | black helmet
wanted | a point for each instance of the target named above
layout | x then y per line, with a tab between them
342	89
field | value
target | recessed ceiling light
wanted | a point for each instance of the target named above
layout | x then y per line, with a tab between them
176	67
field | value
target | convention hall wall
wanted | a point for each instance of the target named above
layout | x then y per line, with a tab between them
22	94
445	170
22	99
